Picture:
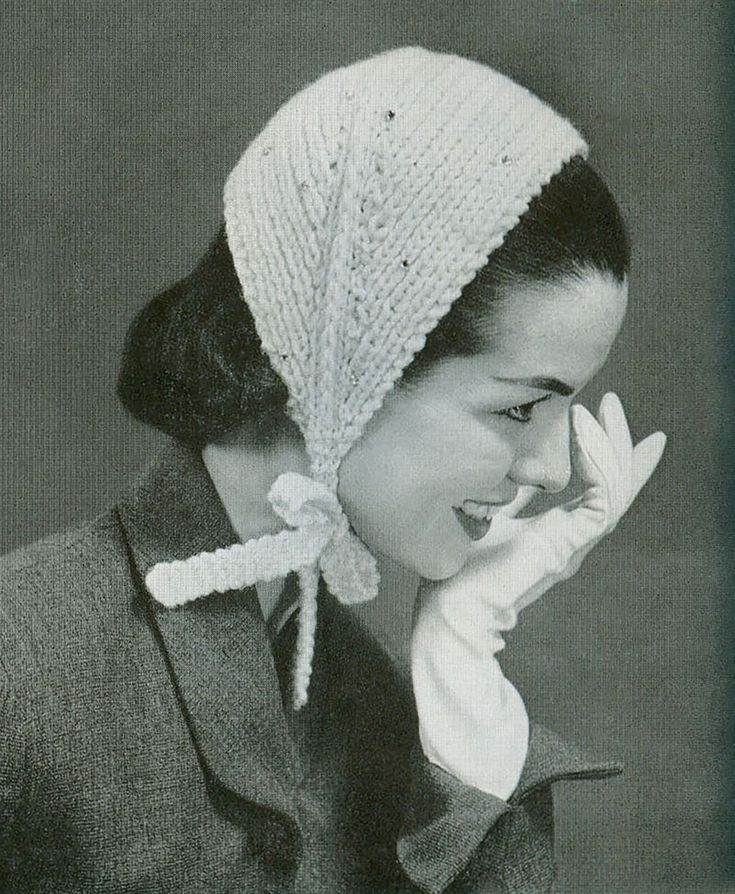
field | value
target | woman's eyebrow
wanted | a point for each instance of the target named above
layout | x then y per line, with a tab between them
544	383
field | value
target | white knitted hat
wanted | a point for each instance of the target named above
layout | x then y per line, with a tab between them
355	218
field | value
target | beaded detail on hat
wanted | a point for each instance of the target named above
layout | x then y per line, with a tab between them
355	219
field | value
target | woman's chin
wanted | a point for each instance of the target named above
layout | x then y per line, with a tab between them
422	560
428	567
441	567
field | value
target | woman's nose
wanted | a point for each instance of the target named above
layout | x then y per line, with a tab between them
544	461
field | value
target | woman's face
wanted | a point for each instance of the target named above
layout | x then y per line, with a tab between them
474	430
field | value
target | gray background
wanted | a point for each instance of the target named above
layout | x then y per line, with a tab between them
121	122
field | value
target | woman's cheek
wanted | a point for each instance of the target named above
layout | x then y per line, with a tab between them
412	533
494	459
435	546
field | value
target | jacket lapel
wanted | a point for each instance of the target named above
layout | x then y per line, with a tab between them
216	648
551	758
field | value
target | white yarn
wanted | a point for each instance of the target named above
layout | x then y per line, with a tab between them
355	218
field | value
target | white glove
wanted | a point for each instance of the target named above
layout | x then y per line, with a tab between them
472	721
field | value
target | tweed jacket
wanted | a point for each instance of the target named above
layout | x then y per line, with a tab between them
145	749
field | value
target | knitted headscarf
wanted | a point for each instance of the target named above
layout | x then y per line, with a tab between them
355	218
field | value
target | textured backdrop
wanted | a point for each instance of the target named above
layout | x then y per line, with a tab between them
121	122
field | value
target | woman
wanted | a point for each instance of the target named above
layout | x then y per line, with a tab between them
418	273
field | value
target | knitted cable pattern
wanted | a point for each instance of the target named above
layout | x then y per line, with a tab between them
355	218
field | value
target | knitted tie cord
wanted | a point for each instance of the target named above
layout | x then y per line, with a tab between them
355	218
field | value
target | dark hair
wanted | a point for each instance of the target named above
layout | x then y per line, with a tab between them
193	365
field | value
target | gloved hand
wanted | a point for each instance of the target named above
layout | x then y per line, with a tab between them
472	721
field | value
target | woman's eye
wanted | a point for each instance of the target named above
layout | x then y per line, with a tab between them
522	412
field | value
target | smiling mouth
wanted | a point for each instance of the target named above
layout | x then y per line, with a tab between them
475	528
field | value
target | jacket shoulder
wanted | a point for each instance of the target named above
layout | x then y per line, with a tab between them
57	590
53	548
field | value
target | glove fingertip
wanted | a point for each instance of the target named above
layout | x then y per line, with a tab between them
653	445
646	458
581	420
581	411
610	399
659	446
587	431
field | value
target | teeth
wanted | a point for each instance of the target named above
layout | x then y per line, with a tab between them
480	511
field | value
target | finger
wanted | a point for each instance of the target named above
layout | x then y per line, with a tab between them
524	496
592	446
573	504
618	432
646	457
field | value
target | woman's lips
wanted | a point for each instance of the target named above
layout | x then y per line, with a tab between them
473	527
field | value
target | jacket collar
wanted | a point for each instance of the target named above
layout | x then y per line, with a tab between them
217	649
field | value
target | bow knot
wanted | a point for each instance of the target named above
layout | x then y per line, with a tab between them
349	569
302	501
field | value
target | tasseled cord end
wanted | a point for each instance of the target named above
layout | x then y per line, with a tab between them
309	581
